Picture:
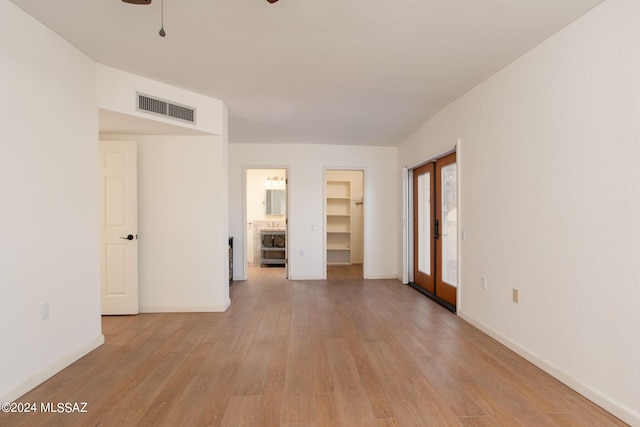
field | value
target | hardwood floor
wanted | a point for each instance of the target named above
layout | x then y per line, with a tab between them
341	352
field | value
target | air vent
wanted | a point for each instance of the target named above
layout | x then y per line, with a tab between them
166	108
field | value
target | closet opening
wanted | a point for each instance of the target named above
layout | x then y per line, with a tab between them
344	223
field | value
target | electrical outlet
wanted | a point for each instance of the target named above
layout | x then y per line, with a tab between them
515	296
301	252
44	310
483	282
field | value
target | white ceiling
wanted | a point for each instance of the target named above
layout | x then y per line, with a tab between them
365	72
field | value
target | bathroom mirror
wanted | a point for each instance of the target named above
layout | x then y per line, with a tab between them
276	202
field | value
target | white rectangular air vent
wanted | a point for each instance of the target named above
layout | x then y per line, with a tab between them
162	107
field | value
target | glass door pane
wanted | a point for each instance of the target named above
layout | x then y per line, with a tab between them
449	217
424	202
424	221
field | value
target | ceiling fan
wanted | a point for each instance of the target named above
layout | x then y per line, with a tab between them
162	32
149	1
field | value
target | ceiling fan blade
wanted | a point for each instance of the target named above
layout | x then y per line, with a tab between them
272	1
137	1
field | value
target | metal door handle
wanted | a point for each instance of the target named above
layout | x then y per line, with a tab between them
129	237
437	229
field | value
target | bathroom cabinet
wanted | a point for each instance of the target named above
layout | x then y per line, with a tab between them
273	247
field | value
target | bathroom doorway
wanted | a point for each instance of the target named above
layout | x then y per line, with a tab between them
266	210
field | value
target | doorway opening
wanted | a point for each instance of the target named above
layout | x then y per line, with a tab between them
344	223
435	230
266	210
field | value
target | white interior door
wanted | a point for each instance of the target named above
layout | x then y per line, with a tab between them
118	227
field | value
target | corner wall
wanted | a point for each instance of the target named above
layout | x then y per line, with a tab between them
182	251
182	196
549	189
49	238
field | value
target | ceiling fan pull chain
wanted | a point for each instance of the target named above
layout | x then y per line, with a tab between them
162	33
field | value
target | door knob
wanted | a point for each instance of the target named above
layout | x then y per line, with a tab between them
129	237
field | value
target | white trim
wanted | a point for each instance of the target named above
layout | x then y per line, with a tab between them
626	414
306	278
41	376
324	223
460	213
243	237
405	226
383	277
408	261
185	308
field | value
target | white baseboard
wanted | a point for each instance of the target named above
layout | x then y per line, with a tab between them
292	277
400	278
185	308
381	277
374	277
626	414
41	376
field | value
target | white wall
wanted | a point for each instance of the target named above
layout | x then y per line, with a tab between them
306	184
181	223
182	197
49	209
549	200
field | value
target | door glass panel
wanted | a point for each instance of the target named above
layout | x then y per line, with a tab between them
424	223
450	225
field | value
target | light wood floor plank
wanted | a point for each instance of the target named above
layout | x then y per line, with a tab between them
337	352
298	401
273	392
352	404
326	410
242	411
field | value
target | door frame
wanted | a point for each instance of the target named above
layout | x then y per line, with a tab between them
407	220
324	215
245	261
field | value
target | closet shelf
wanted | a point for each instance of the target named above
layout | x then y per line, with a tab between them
338	222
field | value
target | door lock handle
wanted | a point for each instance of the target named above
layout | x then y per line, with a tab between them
129	237
437	234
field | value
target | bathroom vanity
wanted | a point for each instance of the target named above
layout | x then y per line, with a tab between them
273	246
